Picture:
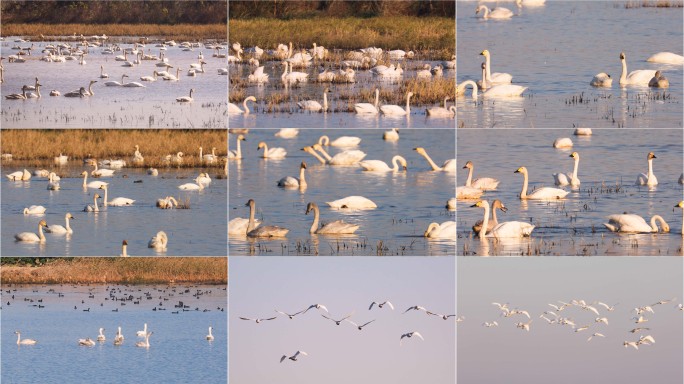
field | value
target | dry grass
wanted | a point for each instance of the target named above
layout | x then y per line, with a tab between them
655	4
106	144
101	270
180	32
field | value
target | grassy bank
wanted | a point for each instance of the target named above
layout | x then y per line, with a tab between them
178	32
101	270
407	33
106	144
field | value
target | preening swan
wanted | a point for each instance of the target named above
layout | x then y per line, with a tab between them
203	179
544	193
94	207
30	237
395	110
497	204
159	241
313	105
391	135
116	202
367	108
448	166
258	76
352	202
508	229
34	210
87	342
167	202
342	141
234	109
666	58
146	343
349	157
602	80
483	183
287	133
496	13
568	178
19	175
25	341
264	230
441	231
293	182
60	230
210	337
494	78
238	225
237	153
335	227
659	81
92	184
272	153
563	142
381	166
638	77
467	193
648	179
635	224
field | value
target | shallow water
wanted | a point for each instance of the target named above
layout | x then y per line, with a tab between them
407	201
200	230
114	107
178	350
574	226
289	114
580	40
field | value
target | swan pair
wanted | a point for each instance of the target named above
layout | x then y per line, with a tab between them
334	227
508	229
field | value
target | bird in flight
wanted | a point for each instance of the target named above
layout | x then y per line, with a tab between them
340	320
257	320
289	315
410	335
317	306
439	315
417	308
380	305
294	357
360	327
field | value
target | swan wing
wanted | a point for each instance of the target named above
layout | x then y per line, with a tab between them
548	194
338	226
516	229
666	58
485	183
627	223
289	182
374	165
392	110
468	193
641	76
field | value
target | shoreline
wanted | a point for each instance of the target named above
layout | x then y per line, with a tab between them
120	32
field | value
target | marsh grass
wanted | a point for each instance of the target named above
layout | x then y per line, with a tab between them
654	4
107	270
56	32
106	144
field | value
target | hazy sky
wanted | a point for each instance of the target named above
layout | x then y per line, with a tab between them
551	352
342	354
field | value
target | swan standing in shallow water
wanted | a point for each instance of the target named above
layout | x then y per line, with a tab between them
30	237
60	230
483	183
648	179
496	13
342	141
666	58
446	230
497	77
271	153
210	337
335	227
94	207
25	341
92	184
234	109
264	230
493	221
293	182
238	225
638	77
569	178
635	224
395	110
367	108
544	193
116	202
159	241
351	157
381	166
34	210
352	202
448	166
508	229
236	154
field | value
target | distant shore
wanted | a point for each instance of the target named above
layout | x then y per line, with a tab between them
107	270
132	32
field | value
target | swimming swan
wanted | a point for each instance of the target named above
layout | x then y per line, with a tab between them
30	237
635	224
234	109
34	210
441	112
313	105
101	336
293	182
496	13
116	202
210	337
659	81
146	343
119	338
185	99
349	157
334	227
142	333
238	225
638	77
264	230
92	184
483	183
441	231
504	90
544	193
101	172
272	153
342	141
381	166
666	58
352	202
493	221
448	166
237	154
191	187
158	241
88	342
60	230
94	207
648	179
508	229
568	178
53	182
25	341
497	77
391	135
395	110
466	193
287	133
602	80
367	108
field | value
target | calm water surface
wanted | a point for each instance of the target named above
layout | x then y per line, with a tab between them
407	201
154	106
200	230
178	349
555	50
574	226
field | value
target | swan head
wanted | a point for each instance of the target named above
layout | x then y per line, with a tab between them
622	56
498	204
261	145
250	203
651	155
430	228
480	204
522	170
680	205
123	243
103	186
409	95
485	53
317	147
93	82
84	173
468	165
43	224
96	196
420	150
241	137
302	165
310	207
69	216
574	155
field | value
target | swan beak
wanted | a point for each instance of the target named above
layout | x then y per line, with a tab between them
476	204
404	167
517	171
504	209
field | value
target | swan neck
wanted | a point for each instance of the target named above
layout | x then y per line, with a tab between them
325	101
488	65
654	220
523	193
325	154
494	218
623	76
650	168
377	98
105	198
432	163
408	109
85	177
485	220
40	233
574	172
95	202
68	228
239	152
314	226
302	180
469	180
317	156
250	225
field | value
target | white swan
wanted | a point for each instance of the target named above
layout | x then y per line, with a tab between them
159	241
142	333
238	225
391	135
92	184
234	109
468	193
508	229
448	166
441	112
25	341
334	227
94	207
150	78
367	108
544	193
381	166
146	343
30	237
530	3
87	342
582	132
60	230
563	142
101	172
493	221
496	13
287	133
152	172
19	175
602	80
53	182
635	224
271	153
494	78
203	179
441	231
258	76
395	110
659	81
237	153
349	157
495	91
483	183
209	157
292	77
119	337
170	77
648	179
638	77
34	210
666	58
115	83
167	202
352	202
451	203
313	105
568	178
101	337
293	182
342	141
185	99
210	337
116	202
191	187
264	230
